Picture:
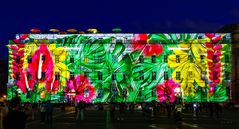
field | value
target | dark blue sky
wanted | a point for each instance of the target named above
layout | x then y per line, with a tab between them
18	16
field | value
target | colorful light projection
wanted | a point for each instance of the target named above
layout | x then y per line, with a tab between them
120	67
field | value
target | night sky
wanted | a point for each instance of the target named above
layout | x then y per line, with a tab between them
19	16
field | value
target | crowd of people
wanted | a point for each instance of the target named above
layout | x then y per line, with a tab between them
171	109
15	114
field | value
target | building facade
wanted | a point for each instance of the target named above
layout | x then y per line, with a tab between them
234	30
192	67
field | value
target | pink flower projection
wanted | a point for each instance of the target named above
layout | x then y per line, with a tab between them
166	90
140	42
86	95
82	87
213	62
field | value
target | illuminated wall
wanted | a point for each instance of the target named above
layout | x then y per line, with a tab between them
120	67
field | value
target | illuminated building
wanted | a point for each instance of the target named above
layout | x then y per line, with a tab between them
121	67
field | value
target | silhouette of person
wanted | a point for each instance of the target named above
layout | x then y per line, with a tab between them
15	119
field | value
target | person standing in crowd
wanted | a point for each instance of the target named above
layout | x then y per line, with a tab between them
178	111
63	109
168	107
132	107
112	111
155	107
80	113
217	109
76	104
49	112
15	119
4	112
100	107
122	107
43	111
34	107
211	109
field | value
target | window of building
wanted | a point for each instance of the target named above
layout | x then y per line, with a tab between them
141	59
125	76
57	59
72	60
154	92
165	75
43	58
43	75
153	75
100	93
190	74
17	76
86	60
29	60
202	57
153	59
72	76
100	76
215	76
227	76
178	75
226	58
141	75
114	76
190	58
113	40
177	59
214	59
29	76
98	60
140	92
115	59
86	74
203	75
18	60
165	59
57	76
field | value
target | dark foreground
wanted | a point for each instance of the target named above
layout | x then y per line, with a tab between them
137	120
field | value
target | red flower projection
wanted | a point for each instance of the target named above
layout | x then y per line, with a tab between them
81	85
22	37
214	64
25	83
17	55
52	86
42	68
166	90
140	42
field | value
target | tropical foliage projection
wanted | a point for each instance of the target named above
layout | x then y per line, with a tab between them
120	67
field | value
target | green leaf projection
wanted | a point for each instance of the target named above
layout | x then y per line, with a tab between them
194	67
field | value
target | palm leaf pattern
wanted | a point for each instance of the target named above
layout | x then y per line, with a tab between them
131	71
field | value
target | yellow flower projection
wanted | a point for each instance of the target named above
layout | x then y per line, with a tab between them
29	51
59	56
189	65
